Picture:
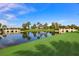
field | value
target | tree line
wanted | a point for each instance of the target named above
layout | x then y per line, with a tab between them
53	25
39	25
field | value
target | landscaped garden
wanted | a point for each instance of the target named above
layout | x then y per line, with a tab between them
63	44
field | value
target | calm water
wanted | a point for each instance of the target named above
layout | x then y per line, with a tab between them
14	39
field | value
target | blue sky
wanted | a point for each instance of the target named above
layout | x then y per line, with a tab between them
15	14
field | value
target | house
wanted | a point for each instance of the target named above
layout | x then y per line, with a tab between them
64	30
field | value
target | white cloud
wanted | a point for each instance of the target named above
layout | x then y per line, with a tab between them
7	16
4	22
27	10
6	6
10	16
22	9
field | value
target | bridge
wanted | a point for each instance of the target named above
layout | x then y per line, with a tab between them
11	30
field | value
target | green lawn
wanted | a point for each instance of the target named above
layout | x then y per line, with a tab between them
62	44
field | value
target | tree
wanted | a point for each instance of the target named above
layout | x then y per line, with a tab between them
24	26
38	25
4	26
0	25
28	25
68	26
34	26
45	26
73	26
54	25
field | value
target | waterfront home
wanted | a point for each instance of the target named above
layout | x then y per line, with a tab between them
64	30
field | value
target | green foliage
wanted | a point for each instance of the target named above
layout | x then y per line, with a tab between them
34	26
4	26
26	25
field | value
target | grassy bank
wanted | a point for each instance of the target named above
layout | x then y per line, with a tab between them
39	30
63	44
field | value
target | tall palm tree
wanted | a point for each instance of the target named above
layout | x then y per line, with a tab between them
24	26
28	24
52	26
45	26
40	26
38	23
56	25
34	26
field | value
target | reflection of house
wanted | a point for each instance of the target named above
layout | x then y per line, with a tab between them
11	30
64	30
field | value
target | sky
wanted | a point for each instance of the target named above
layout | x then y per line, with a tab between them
15	14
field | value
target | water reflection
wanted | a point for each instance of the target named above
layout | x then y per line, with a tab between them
14	39
34	34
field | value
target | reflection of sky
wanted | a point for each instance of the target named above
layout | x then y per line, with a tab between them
13	39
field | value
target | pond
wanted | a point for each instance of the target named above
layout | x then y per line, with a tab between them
15	39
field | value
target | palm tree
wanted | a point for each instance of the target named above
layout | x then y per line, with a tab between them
40	26
38	23
28	25
73	26
52	26
24	26
34	26
56	25
45	26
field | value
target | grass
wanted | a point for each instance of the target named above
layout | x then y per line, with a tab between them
66	44
38	30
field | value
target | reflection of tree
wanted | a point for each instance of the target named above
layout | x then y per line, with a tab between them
25	34
0	38
52	33
34	33
45	34
4	35
41	35
38	37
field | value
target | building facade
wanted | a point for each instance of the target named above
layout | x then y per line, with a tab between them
64	30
